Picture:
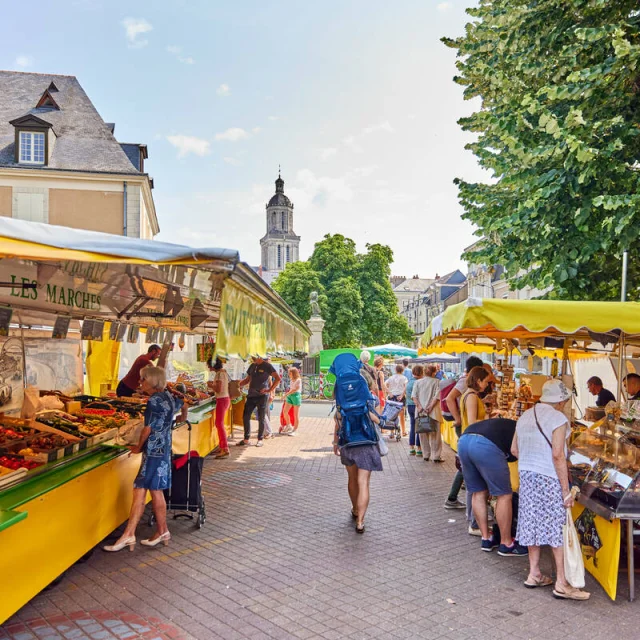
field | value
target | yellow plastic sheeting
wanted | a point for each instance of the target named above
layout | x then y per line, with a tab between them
249	326
461	346
522	319
103	363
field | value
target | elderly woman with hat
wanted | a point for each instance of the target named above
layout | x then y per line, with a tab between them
540	446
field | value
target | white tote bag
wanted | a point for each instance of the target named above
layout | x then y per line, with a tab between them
573	563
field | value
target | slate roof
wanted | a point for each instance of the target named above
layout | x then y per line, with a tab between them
279	200
84	141
133	153
414	285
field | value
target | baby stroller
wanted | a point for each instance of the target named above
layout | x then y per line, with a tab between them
389	418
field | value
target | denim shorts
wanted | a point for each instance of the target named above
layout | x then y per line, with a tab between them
484	465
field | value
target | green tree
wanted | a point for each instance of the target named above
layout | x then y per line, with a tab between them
381	321
295	284
344	314
334	257
559	130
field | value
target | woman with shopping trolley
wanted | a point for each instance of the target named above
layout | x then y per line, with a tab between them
155	469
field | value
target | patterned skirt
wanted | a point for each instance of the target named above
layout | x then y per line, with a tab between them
154	474
541	511
366	457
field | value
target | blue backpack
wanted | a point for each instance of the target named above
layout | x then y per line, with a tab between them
354	401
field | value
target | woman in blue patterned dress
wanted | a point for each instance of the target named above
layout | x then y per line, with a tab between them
155	470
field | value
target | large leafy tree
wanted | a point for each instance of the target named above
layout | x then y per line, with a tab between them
559	129
355	295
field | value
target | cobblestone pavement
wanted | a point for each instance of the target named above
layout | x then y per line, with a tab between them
279	558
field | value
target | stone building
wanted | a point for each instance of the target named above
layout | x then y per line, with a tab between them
280	245
61	164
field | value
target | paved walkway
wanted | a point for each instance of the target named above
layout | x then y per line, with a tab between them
279	558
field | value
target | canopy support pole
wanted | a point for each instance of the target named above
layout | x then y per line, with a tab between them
621	343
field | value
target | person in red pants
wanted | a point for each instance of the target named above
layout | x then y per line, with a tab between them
223	402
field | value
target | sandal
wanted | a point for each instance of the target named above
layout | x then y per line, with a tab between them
360	529
354	515
570	593
542	581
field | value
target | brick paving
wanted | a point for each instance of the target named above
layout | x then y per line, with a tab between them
279	558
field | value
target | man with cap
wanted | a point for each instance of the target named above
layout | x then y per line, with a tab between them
596	388
130	383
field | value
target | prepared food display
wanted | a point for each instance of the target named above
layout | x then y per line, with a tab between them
607	468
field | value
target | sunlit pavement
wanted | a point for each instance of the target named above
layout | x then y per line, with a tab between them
279	558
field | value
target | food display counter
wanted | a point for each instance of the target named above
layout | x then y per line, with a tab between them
66	473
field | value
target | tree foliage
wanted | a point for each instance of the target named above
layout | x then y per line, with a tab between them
559	129
355	294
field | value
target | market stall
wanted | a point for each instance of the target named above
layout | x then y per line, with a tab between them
604	457
65	476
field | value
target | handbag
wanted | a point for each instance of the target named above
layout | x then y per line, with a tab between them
573	562
544	435
382	445
426	424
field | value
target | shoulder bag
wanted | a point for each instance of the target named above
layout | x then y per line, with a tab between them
426	424
544	435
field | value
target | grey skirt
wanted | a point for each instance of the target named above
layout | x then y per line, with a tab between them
366	457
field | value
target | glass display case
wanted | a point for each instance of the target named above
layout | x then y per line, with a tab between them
605	464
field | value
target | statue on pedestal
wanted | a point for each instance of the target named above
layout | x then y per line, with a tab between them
315	307
315	324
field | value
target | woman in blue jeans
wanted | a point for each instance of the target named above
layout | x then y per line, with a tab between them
485	452
414	440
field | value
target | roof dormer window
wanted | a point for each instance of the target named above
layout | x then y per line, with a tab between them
32	147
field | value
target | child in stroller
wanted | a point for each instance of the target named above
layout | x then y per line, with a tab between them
389	418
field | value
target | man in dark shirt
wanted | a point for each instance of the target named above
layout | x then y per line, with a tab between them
485	451
262	379
594	384
130	383
632	386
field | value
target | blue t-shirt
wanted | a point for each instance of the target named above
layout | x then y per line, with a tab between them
409	391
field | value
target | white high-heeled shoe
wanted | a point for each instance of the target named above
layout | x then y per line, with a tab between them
164	538
119	546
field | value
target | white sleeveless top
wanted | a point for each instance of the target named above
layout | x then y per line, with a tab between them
534	452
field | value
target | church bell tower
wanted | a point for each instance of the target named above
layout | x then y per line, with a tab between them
280	245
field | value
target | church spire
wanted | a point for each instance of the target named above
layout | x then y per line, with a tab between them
279	182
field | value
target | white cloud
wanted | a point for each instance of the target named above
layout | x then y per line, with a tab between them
232	161
382	126
232	135
319	190
224	90
24	61
135	27
256	130
190	144
325	154
177	51
444	6
273	118
350	142
364	172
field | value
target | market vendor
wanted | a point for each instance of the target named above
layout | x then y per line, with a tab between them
596	388
130	383
632	386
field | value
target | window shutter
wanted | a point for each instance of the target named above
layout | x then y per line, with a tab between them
30	206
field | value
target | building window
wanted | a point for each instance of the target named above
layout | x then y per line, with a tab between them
288	253
31	147
279	257
284	221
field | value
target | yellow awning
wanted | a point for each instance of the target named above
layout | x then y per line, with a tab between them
523	320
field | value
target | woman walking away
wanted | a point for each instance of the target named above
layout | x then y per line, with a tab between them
414	440
293	398
397	392
378	363
540	446
360	461
426	395
155	470
223	402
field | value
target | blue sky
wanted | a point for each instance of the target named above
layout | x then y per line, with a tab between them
354	99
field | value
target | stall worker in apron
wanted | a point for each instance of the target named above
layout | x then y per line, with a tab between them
130	383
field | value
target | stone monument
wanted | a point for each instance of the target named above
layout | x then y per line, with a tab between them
315	324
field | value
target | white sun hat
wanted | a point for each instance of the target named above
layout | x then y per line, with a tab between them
554	391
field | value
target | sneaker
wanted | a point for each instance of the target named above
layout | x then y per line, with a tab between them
454	504
514	550
489	545
426	459
475	532
242	443
438	460
412	452
260	443
292	433
418	452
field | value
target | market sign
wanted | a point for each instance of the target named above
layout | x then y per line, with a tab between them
248	326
